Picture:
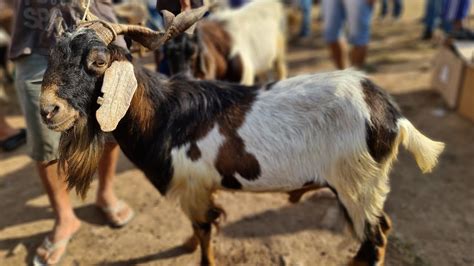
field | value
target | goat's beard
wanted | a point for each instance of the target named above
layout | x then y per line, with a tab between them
80	150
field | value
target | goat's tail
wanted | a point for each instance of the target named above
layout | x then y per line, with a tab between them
425	150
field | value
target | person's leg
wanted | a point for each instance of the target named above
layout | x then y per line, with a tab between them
6	130
107	167
66	223
42	144
306	6
383	8
461	14
359	16
10	138
119	213
334	16
451	14
431	15
397	8
358	55
337	53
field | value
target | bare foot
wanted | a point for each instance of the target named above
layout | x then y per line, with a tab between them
61	233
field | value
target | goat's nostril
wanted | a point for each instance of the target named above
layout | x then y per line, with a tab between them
49	111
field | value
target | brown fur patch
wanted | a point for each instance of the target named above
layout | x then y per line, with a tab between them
232	157
384	113
193	152
141	109
80	149
213	60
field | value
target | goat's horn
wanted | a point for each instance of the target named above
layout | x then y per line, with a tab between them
147	37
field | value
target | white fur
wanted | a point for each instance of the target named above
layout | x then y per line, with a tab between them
425	150
257	33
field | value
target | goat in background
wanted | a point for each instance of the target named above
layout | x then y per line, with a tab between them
235	45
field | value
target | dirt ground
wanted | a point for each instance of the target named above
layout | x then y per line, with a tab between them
433	214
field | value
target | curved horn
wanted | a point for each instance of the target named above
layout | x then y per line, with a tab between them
145	36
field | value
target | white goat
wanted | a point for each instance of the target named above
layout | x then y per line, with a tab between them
257	31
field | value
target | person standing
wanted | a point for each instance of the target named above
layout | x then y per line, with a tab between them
10	137
357	14
397	8
453	14
432	17
30	46
306	6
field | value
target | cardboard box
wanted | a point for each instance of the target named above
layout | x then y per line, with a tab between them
448	75
466	101
450	66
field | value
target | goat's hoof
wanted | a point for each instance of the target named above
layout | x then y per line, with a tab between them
356	262
191	244
208	262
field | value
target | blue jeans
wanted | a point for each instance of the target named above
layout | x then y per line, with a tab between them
357	14
396	9
432	14
306	6
454	10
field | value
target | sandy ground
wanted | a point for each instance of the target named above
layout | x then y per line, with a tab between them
433	214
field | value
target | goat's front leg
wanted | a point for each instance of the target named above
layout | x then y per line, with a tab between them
203	216
203	232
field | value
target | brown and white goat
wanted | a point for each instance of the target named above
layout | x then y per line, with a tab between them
234	45
192	138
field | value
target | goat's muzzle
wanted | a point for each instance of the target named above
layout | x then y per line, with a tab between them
56	113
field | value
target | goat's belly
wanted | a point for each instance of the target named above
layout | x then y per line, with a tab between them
278	174
285	172
273	171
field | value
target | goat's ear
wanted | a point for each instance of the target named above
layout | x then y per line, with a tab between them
118	88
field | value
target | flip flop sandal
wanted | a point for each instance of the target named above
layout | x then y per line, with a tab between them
50	248
14	141
113	217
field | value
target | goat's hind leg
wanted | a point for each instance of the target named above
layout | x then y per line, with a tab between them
362	187
280	62
372	250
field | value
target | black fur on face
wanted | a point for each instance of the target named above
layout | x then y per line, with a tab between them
181	52
79	60
74	77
